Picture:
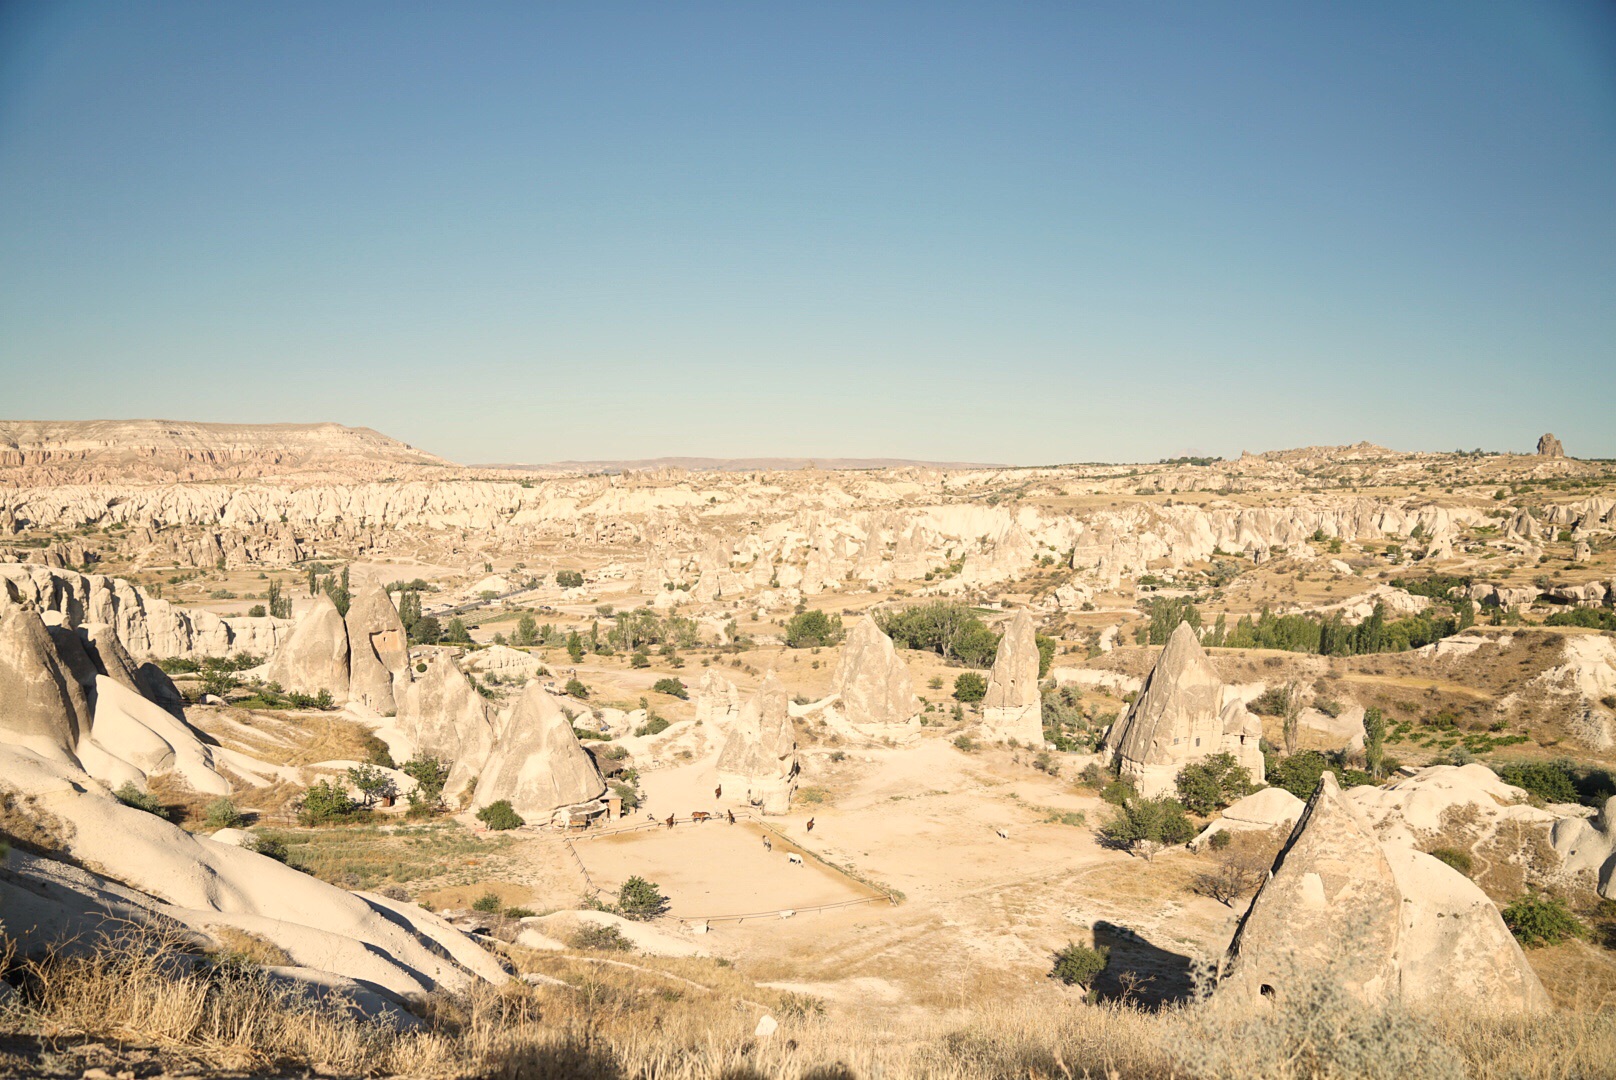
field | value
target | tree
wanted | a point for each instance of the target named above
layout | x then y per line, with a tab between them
577	689
1079	965
569	579
1206	786
1046	654
672	687
280	606
500	816
372	784
1145	826
430	775
1291	706
1240	869
970	687
813	629
325	803
1374	746
952	631
426	631
527	631
640	900
575	646
456	631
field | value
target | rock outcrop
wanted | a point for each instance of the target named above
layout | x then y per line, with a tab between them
877	695
1184	714
538	763
1549	446
1013	707
378	651
43	705
1386	923
1588	848
443	715
315	657
759	759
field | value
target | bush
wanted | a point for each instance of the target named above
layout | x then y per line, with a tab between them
569	579
577	689
1212	784
673	688
627	793
499	816
1459	860
1550	781
654	725
430	775
970	687
1299	774
132	796
964	743
270	847
600	938
326	803
1145	826
640	900
1118	790
488	903
222	814
1541	920
640	659
1079	965
813	629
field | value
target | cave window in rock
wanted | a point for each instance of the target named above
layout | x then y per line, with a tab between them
1266	991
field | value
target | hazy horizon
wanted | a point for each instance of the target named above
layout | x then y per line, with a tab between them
1037	234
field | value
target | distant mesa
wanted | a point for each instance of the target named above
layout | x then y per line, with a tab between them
759	464
75	451
1549	446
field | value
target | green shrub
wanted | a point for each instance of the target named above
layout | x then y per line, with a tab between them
813	629
269	846
569	579
1079	965
430	775
499	816
1459	860
1144	826
640	900
1212	784
673	688
222	814
600	938
488	903
1221	839
970	687
577	689
627	793
1118	790
1552	782
654	725
1541	920
640	659
1299	774
519	913
132	796
326	803
964	743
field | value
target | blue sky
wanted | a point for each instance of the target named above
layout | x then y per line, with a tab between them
998	232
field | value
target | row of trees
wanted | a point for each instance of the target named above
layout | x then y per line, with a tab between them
1309	633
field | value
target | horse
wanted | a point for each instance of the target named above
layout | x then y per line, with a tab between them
793	857
718	792
731	815
768	845
699	815
670	821
810	824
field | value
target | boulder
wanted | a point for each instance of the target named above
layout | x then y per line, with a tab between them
378	651
46	706
443	715
1588	848
1270	808
538	763
1013	707
1549	446
873	681
315	657
1184	714
759	759
1387	924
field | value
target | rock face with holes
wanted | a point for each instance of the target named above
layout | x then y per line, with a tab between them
378	651
877	695
1385	922
1184	714
1013	707
538	763
759	759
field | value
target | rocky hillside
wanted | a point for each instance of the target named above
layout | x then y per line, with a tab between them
99	451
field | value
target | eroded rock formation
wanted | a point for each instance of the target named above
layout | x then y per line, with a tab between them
877	694
759	759
538	763
1013	707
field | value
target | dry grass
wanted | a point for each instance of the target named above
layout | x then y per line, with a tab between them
679	1019
27	824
